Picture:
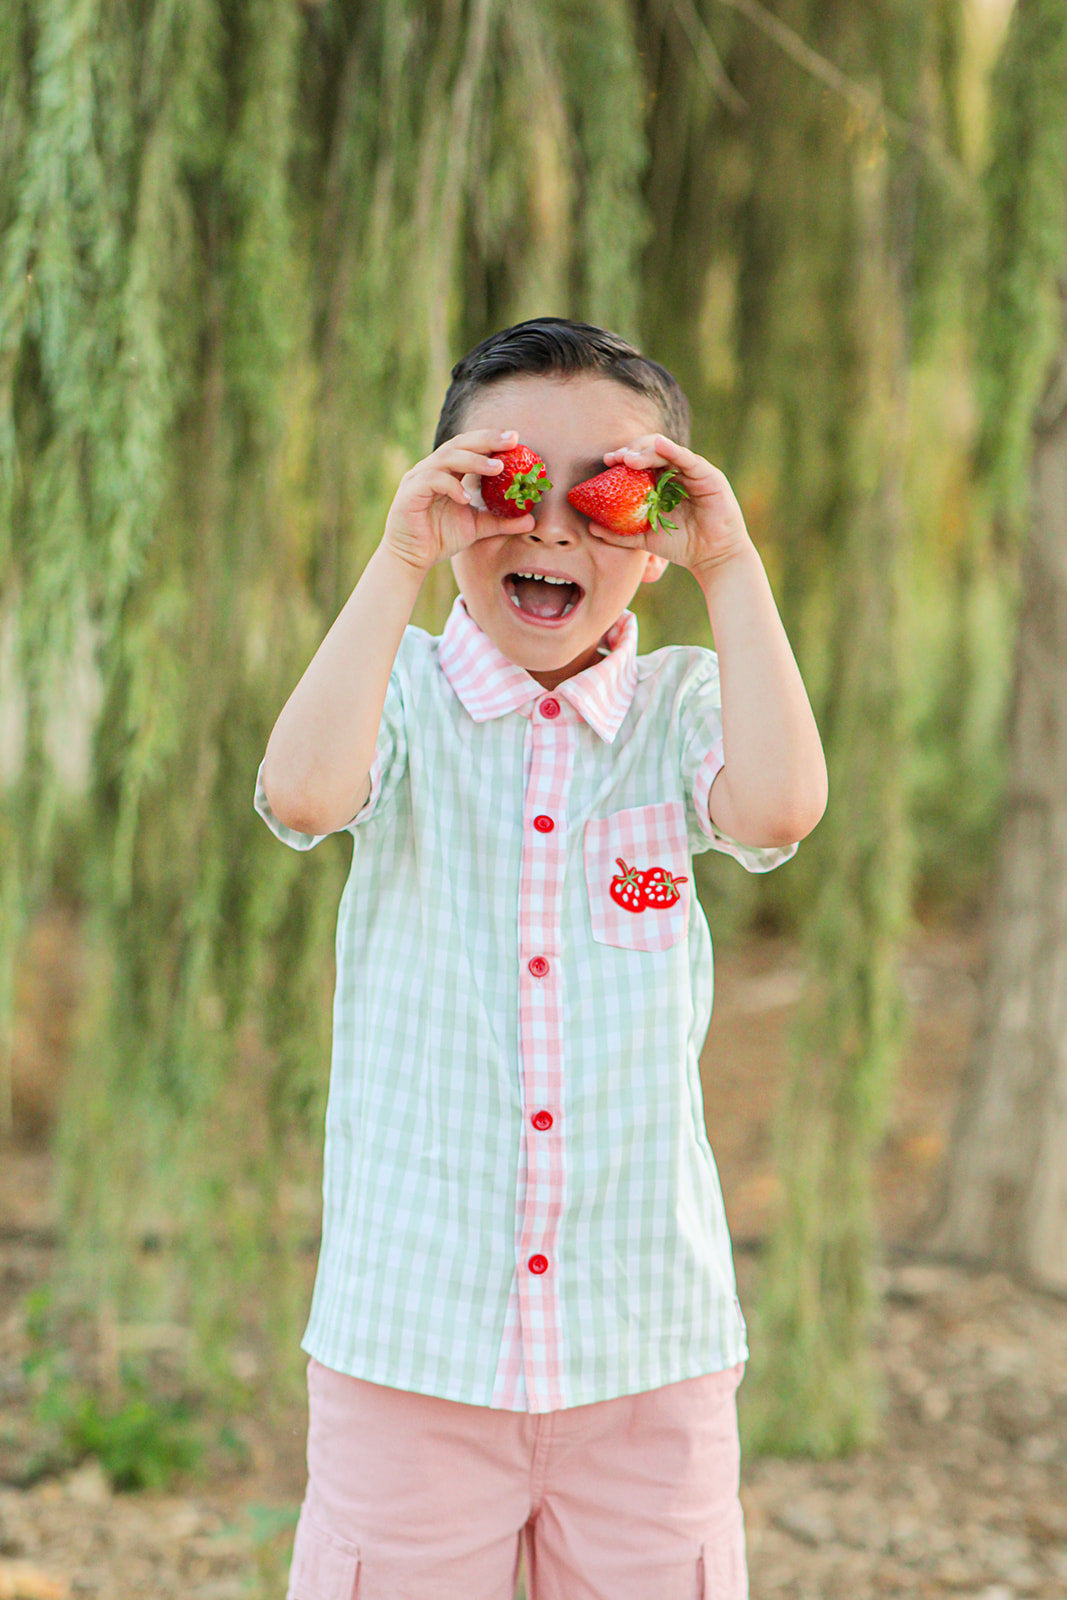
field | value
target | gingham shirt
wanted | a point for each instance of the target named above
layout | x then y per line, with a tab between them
521	1208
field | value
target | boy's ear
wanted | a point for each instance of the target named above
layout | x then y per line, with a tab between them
657	566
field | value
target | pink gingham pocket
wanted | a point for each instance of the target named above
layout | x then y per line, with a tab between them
637	874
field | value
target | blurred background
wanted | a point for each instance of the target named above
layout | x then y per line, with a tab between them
241	244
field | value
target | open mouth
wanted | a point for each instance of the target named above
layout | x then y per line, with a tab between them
545	599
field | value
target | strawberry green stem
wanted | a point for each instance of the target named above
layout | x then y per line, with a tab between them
529	485
669	491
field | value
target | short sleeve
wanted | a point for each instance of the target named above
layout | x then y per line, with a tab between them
386	771
700	716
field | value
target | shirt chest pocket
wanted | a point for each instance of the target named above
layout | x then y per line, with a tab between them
636	874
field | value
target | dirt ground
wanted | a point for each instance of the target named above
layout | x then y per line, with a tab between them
965	1495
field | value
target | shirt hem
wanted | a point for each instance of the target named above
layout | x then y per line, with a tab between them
354	1369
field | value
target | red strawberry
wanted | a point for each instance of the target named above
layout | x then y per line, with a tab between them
625	888
629	499
516	490
659	888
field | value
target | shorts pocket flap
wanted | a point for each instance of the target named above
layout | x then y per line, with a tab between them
324	1566
723	1568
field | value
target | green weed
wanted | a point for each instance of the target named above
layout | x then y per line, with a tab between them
140	1442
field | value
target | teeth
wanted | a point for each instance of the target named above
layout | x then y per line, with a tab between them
541	577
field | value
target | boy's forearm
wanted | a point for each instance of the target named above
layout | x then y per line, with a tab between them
316	771
772	789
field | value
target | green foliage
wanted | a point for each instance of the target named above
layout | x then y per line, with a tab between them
141	1443
828	308
956	755
141	1438
1027	197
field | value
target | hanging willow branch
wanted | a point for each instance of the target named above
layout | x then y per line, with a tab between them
1026	185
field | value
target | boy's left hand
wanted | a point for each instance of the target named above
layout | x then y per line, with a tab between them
710	527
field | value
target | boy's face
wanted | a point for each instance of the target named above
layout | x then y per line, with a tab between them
570	422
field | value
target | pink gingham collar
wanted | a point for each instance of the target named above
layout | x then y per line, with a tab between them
489	685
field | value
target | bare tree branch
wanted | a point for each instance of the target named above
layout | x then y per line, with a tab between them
866	102
703	46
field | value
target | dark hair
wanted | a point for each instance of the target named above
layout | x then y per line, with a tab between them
560	348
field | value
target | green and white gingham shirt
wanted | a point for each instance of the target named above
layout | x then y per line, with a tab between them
521	1208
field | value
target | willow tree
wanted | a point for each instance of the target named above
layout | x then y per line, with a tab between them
1005	1182
242	245
890	199
828	173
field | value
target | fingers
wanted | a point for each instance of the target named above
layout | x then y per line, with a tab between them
487	526
621	541
466	457
455	469
485	523
482	439
470	452
642	453
443	483
656	450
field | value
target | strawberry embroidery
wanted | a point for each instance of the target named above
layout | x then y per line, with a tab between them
659	887
625	889
651	889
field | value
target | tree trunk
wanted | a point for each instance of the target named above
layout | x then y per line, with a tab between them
1005	1187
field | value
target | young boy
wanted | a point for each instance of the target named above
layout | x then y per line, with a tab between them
524	1320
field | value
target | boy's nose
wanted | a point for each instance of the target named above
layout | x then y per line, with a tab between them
557	522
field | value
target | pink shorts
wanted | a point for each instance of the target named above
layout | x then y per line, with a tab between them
415	1498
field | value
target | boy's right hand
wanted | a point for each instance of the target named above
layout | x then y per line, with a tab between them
432	518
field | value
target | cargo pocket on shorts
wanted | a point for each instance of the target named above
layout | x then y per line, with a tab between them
723	1569
324	1566
637	877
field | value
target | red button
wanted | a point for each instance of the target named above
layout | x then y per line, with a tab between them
542	1120
538	966
550	708
544	824
538	1263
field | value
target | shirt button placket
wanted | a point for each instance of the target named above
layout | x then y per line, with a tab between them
541	1039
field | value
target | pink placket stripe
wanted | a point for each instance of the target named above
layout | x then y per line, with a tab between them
551	739
509	1384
